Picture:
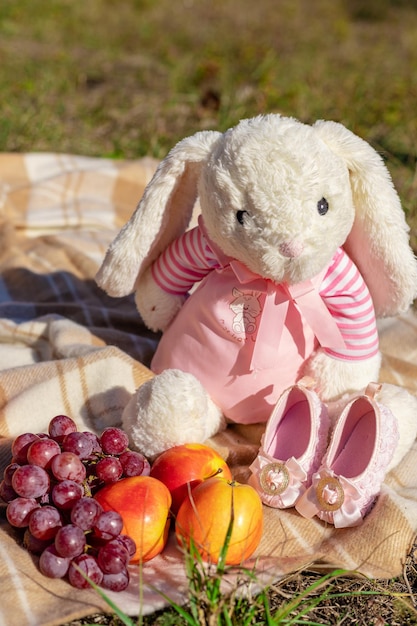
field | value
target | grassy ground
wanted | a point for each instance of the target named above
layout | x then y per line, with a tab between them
85	77
130	78
347	601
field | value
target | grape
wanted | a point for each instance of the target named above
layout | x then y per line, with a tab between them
66	493
116	582
88	565
85	513
113	440
42	451
134	464
8	473
128	543
53	564
18	511
108	526
113	557
95	442
61	425
79	444
48	489
68	466
21	445
7	493
45	522
34	545
70	541
109	469
30	481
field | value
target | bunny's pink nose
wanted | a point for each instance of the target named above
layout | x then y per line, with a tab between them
291	249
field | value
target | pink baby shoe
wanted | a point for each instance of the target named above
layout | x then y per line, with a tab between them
292	446
361	447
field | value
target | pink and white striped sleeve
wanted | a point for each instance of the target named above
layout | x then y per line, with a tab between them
184	262
348	299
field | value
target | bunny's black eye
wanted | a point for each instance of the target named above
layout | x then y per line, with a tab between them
240	216
322	206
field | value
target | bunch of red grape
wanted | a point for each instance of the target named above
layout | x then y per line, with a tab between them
49	487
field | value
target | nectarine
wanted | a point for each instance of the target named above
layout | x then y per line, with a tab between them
205	514
144	503
183	467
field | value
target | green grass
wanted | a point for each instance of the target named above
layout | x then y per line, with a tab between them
321	599
131	79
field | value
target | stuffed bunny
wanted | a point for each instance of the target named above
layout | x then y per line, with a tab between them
300	245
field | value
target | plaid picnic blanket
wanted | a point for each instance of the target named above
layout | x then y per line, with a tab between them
66	347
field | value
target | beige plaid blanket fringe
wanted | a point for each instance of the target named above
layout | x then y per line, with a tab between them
65	347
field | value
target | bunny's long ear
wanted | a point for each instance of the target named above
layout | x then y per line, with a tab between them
162	214
378	242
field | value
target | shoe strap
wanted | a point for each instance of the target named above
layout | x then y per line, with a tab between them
372	389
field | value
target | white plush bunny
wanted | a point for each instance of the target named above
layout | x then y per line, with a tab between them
300	245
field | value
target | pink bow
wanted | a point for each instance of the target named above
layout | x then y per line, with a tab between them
333	498
306	298
279	484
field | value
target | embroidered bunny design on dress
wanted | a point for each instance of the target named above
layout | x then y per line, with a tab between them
247	308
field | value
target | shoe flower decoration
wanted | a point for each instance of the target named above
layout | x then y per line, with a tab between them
278	483
333	498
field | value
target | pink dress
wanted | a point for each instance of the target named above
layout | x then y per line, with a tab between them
245	337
